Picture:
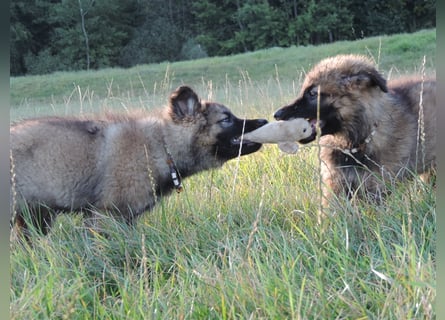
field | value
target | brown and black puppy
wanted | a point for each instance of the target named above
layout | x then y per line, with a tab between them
371	130
119	163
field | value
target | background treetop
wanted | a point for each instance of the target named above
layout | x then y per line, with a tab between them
68	35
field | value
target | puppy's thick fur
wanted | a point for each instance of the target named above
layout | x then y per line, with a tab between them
118	163
371	131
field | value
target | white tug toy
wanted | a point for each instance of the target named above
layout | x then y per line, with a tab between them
283	133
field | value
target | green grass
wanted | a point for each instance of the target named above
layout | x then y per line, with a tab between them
243	241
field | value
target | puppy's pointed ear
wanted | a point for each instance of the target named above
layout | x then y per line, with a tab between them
184	102
365	79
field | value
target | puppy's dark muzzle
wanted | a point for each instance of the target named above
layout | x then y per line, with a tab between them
286	113
278	115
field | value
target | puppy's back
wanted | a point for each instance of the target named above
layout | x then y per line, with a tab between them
55	160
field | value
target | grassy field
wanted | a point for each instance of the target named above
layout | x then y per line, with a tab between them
241	242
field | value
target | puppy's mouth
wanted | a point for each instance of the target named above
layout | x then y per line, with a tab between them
240	139
314	125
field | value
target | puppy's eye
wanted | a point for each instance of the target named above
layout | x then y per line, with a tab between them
225	122
313	92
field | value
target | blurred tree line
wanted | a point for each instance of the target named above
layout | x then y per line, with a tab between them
54	35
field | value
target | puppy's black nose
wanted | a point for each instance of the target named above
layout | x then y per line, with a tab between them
278	115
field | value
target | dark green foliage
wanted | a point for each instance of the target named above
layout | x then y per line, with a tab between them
162	29
29	31
155	41
50	35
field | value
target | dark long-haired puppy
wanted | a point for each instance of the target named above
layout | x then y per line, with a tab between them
372	131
